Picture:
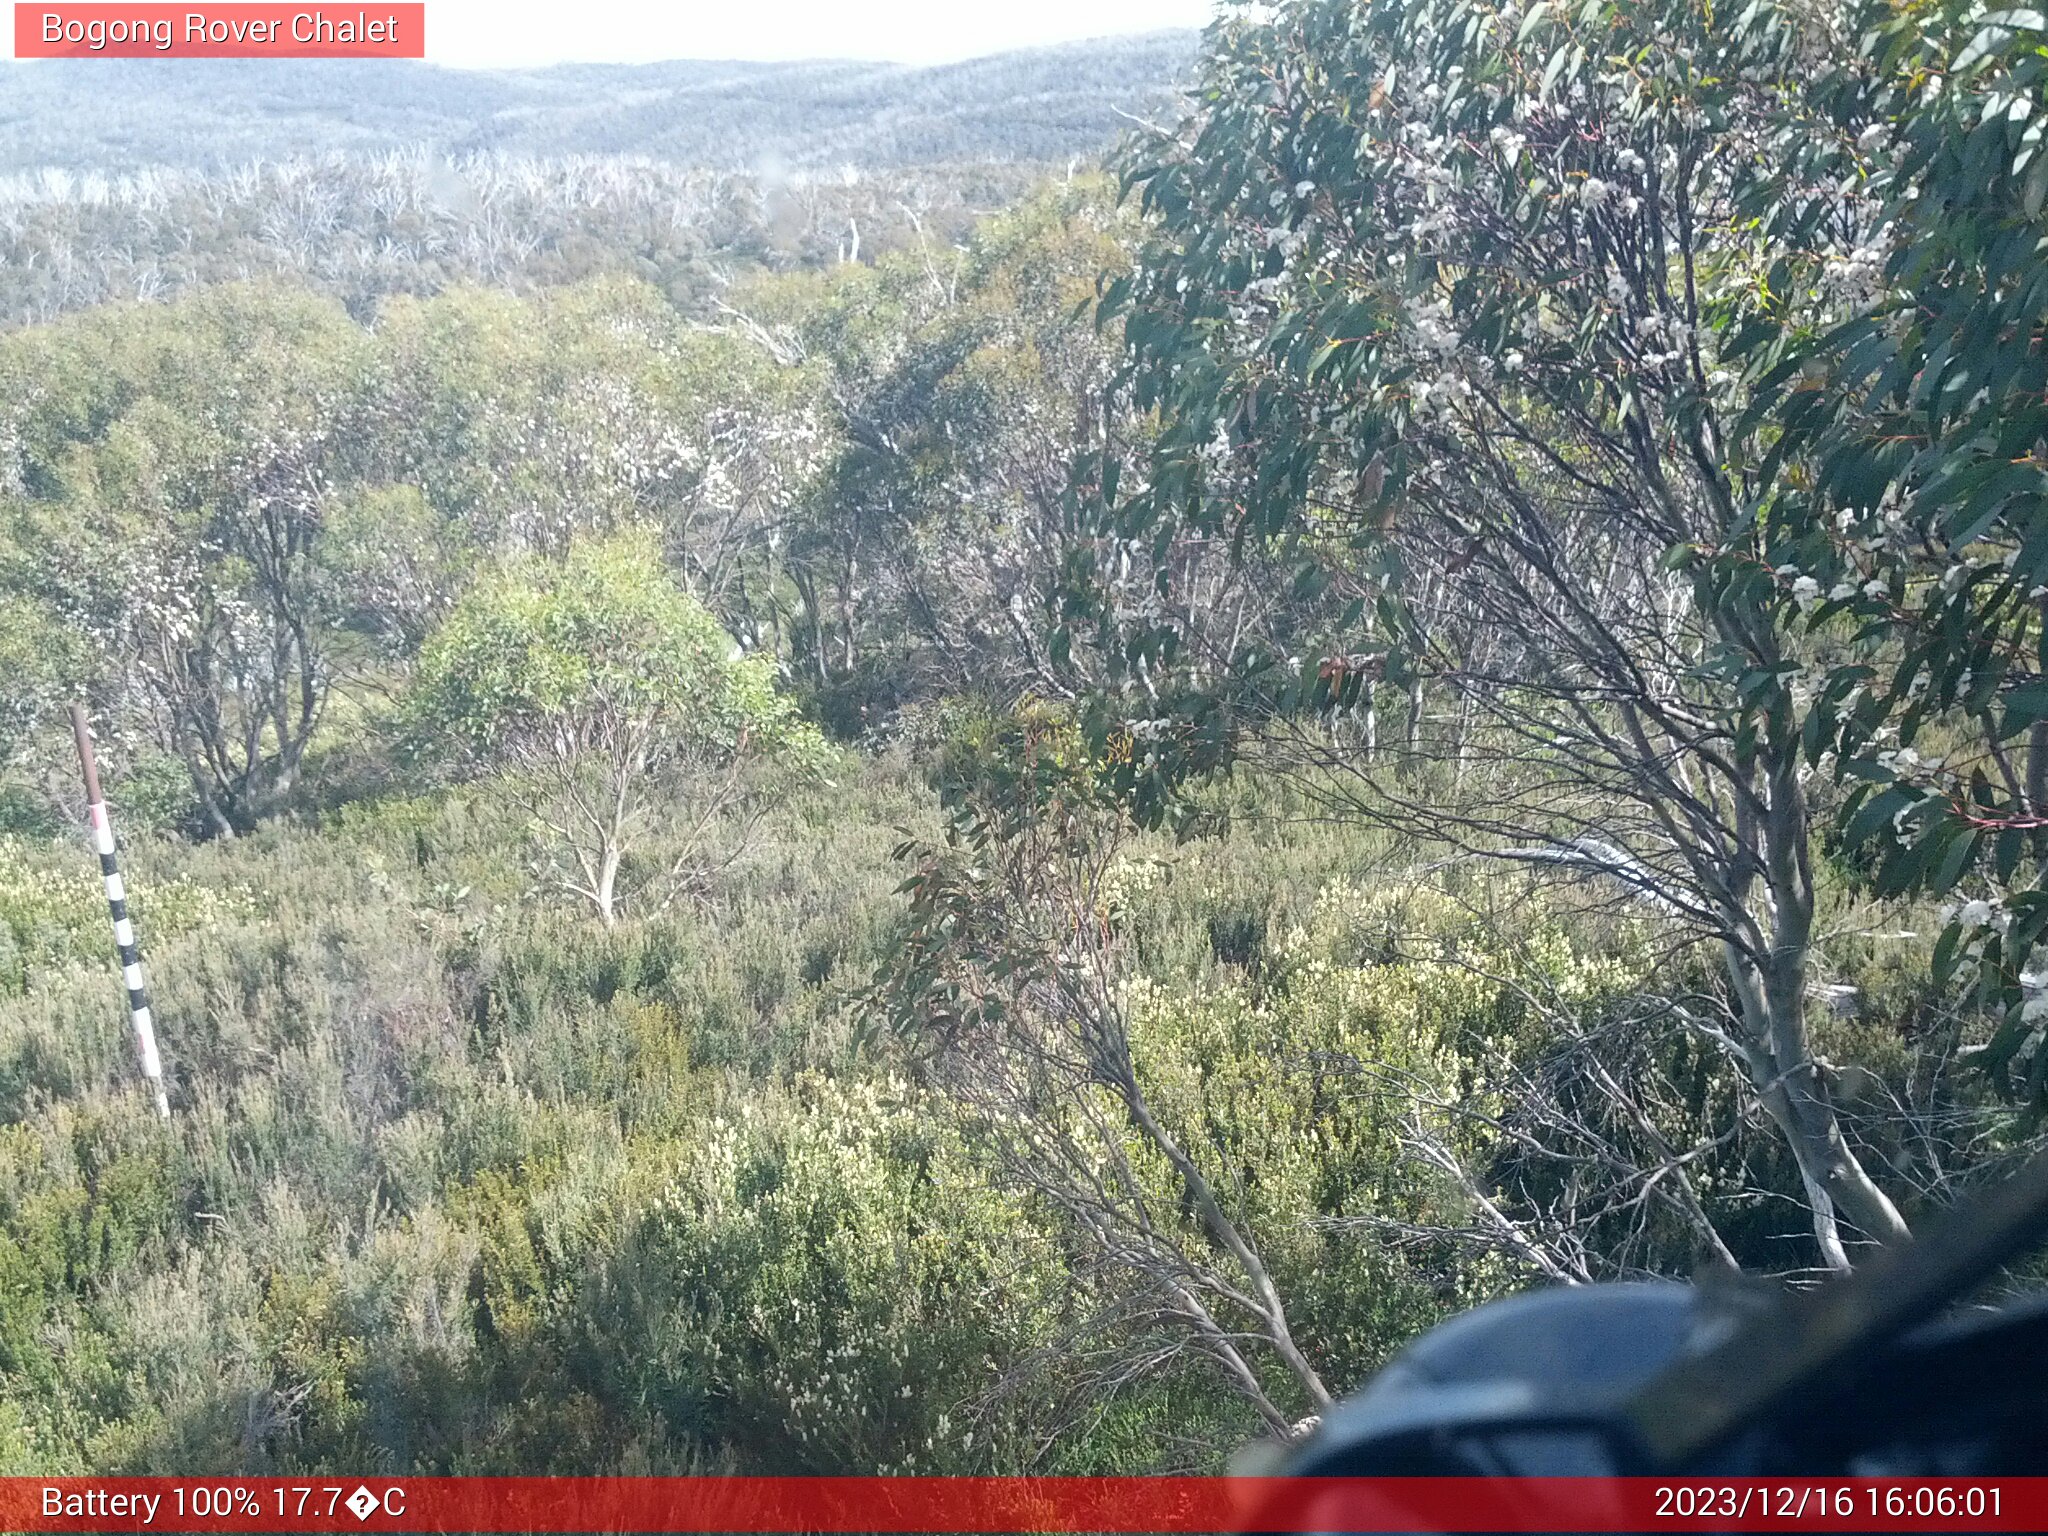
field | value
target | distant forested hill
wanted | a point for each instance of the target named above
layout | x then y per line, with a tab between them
1037	105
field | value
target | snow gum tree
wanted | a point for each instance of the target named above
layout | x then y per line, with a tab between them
1455	309
1921	532
616	708
166	486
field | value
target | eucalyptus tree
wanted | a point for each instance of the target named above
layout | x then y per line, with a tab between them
618	712
526	424
928	559
1446	307
1924	530
170	474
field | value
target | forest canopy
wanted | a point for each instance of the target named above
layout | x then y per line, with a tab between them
815	828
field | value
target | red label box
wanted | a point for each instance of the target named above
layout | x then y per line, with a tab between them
1176	1506
239	31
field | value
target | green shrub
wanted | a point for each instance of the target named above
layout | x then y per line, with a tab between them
828	1283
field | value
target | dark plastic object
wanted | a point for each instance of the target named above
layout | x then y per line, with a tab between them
1874	1375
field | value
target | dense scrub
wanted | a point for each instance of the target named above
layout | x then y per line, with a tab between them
1014	854
459	1181
434	1149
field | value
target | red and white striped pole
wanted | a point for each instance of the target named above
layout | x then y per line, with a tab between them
117	908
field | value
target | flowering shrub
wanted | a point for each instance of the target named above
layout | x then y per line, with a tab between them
836	1277
53	910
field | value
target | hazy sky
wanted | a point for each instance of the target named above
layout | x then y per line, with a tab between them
516	32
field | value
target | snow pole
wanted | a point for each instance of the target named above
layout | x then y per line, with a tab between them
117	908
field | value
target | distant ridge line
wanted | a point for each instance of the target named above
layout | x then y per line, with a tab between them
1040	104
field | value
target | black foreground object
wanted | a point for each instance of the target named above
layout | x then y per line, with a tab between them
1863	1376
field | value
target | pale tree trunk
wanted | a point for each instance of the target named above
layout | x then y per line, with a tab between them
630	744
1464	739
1771	1005
604	896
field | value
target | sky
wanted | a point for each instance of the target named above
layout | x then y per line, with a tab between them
506	33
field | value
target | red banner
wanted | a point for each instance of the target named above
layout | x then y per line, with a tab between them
239	31
992	1504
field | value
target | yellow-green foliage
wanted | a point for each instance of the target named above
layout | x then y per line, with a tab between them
459	1182
53	909
835	1253
444	1189
1374	1015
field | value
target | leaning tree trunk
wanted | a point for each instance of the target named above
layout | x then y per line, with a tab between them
1771	1015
